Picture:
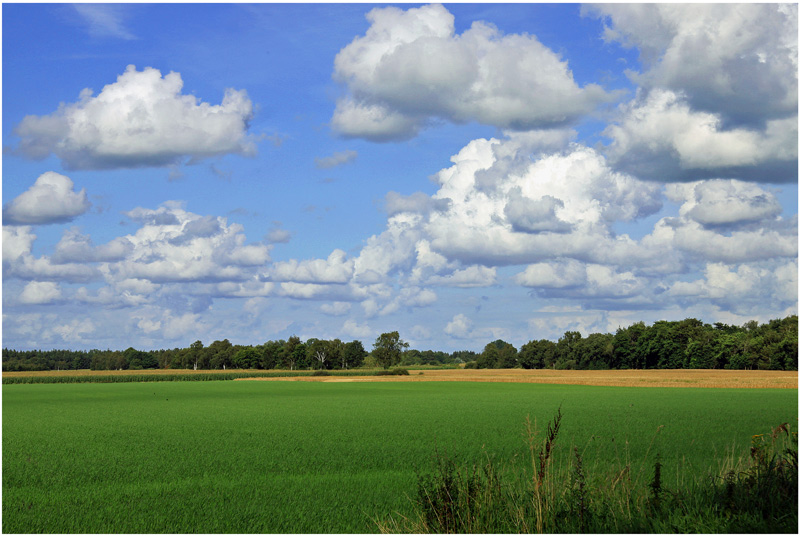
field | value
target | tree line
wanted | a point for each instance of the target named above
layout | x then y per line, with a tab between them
684	344
292	354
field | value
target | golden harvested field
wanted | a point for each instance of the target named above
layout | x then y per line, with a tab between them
667	378
676	378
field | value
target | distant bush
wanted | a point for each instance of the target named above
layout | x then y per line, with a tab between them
396	371
431	367
320	373
471	365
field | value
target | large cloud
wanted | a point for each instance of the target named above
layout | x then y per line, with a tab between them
418	202
503	202
572	279
510	203
19	261
140	120
175	256
717	95
50	200
336	269
411	67
724	202
737	60
560	204
659	137
743	287
40	293
689	238
726	221
17	243
174	245
75	247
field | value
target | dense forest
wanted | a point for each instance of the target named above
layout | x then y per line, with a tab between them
663	345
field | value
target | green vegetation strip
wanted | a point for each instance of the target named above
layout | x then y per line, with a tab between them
309	457
178	377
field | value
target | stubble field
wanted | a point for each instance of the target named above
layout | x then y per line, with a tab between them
332	457
662	378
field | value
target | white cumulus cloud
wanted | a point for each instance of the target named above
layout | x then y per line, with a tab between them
40	293
474	276
335	308
336	269
659	137
19	261
459	327
741	287
724	202
73	331
738	60
174	245
74	247
557	205
411	67
353	329
142	119
51	199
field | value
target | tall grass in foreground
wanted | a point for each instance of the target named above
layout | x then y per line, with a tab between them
758	494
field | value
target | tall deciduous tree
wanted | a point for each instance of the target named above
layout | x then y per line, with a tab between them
335	352
318	352
195	353
497	354
537	354
353	354
247	358
595	351
566	350
220	354
388	348
272	354
295	353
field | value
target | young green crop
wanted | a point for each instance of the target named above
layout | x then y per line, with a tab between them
303	457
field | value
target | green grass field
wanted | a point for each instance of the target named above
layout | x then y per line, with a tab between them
279	457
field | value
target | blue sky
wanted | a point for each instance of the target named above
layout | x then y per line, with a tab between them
459	173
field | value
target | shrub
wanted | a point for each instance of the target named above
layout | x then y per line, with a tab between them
759	498
396	371
767	490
